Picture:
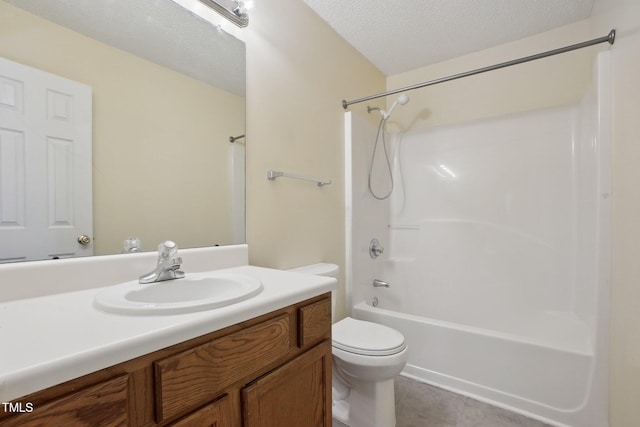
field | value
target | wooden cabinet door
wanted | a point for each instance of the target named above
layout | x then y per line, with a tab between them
224	412
296	394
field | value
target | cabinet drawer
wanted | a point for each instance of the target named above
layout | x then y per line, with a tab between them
104	404
314	322
196	376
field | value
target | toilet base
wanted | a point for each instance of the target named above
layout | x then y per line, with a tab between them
368	404
337	423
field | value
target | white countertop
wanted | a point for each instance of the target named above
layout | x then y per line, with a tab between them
50	339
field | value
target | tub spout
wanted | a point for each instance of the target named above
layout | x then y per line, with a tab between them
377	283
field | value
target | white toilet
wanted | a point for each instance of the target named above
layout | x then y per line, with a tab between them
366	358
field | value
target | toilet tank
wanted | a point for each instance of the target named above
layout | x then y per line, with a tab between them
322	269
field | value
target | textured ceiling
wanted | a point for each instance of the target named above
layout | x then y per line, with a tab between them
395	35
402	35
159	31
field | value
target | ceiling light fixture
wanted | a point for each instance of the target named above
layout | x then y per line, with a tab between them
235	11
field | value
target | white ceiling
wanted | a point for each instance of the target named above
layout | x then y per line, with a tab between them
402	35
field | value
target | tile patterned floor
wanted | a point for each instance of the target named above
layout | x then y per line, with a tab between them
422	405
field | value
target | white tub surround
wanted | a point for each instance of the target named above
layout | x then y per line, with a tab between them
60	335
497	250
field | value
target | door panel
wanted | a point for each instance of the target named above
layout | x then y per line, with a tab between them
45	164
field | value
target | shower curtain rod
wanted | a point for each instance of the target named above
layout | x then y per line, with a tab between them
609	38
235	138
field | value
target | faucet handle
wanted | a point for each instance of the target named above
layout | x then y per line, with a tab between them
375	248
167	250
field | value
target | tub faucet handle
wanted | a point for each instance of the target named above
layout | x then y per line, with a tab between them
375	248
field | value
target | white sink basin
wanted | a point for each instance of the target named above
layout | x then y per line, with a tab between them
195	292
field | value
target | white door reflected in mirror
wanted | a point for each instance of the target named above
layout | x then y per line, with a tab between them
45	165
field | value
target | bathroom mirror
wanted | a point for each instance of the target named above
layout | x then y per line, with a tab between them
167	93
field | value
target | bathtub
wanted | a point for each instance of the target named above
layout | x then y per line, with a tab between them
536	378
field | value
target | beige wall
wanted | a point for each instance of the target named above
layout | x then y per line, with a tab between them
556	81
552	81
158	136
624	15
298	72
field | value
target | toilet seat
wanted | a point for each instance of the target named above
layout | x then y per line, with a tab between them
366	338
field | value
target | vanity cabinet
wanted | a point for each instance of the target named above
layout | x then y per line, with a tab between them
274	370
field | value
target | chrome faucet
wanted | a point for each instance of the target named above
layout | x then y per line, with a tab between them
168	267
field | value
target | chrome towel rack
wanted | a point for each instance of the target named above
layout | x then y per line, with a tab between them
272	175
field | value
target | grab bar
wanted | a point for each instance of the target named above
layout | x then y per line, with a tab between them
377	283
271	175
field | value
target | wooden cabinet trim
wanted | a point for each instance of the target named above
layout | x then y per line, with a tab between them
314	323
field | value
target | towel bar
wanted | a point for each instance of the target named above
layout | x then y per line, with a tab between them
272	175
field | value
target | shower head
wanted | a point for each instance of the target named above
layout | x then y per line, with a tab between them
402	100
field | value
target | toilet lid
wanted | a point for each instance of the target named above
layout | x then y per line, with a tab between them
367	338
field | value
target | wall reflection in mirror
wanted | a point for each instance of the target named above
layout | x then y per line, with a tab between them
135	103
